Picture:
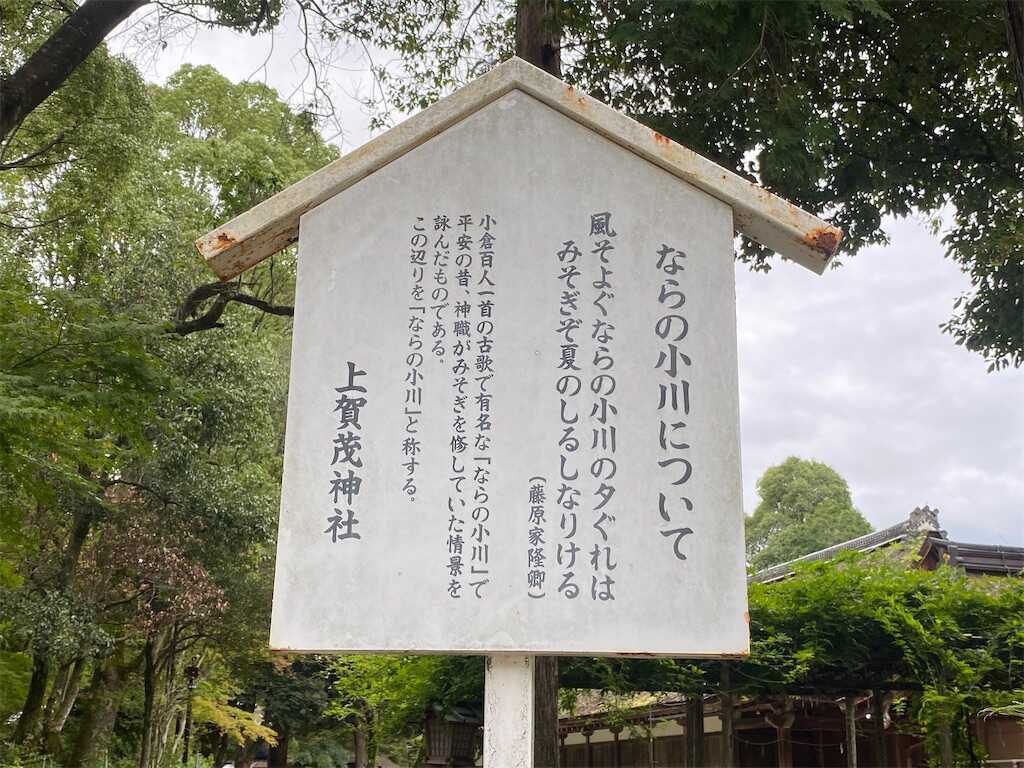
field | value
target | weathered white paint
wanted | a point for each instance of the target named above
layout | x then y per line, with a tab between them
274	224
387	592
508	711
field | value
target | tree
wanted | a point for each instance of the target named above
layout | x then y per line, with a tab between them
856	109
383	699
294	694
42	69
140	462
805	506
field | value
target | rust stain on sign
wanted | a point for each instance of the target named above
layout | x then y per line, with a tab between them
571	95
824	239
220	243
224	240
661	139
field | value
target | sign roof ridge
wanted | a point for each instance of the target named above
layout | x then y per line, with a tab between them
761	215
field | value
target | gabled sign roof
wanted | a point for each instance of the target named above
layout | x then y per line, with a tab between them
272	225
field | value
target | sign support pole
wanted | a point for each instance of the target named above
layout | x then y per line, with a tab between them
508	711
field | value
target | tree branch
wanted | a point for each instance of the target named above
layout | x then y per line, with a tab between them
1014	10
26	160
188	318
51	64
167	501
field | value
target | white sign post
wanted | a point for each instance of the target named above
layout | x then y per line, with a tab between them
513	423
508	711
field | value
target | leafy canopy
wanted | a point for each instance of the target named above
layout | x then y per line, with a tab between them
139	469
805	506
854	109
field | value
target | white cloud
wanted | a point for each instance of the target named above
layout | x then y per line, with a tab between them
850	368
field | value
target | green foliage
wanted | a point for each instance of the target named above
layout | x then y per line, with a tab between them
20	756
397	691
235	145
294	692
859	109
15	669
956	642
805	506
251	15
1015	707
239	725
621	676
322	749
855	109
94	127
952	643
139	470
71	379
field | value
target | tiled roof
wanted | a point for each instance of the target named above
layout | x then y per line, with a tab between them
921	520
992	559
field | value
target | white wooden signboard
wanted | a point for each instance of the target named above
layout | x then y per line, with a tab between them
513	420
513	424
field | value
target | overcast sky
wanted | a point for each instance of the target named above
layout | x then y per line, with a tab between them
849	368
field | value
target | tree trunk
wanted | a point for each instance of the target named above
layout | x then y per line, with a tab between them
539	41
60	682
694	731
725	705
539	34
279	752
245	756
220	754
168	736
850	713
371	738
1014	10
359	747
148	703
32	710
545	712
972	753
878	715
51	64
99	715
81	524
946	743
782	718
63	700
186	730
